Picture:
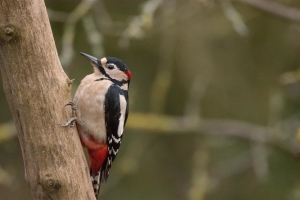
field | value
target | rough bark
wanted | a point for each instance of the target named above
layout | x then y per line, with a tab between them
37	88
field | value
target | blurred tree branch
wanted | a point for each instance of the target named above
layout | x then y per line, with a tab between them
138	24
163	78
200	183
67	51
164	124
233	15
95	37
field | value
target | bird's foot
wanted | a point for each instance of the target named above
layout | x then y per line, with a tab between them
73	106
73	119
70	122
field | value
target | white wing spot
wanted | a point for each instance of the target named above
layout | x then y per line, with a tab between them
123	104
115	152
116	140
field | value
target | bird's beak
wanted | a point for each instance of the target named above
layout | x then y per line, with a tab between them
92	58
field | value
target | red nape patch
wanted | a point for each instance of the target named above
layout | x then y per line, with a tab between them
97	157
128	74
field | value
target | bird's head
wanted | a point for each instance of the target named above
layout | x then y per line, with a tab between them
111	67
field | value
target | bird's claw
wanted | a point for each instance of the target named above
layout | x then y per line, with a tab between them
73	106
73	119
70	122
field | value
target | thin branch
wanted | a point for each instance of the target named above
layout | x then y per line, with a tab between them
200	180
163	124
163	78
95	37
200	174
67	52
260	162
138	24
105	22
233	15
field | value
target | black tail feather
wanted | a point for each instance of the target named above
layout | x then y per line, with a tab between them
95	178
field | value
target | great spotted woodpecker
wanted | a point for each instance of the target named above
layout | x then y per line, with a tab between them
100	110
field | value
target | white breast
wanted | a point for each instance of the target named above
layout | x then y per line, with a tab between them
89	100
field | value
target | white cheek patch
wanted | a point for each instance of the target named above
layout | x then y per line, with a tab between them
116	74
123	105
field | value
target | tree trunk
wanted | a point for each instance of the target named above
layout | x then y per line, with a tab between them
37	88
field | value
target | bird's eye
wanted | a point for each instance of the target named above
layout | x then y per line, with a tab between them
110	67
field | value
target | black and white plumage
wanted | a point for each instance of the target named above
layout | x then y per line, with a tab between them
116	103
101	103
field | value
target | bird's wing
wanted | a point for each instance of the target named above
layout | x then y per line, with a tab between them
115	109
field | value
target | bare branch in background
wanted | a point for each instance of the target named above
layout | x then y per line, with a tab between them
260	161
138	24
95	38
103	17
105	22
260	152
275	8
196	94
200	175
200	182
67	52
232	14
163	124
163	78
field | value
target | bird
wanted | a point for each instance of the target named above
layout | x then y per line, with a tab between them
100	111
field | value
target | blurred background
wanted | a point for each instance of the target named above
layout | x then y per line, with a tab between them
214	96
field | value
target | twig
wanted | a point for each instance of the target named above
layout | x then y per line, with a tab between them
67	52
200	181
232	14
200	177
95	38
137	24
163	78
163	124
